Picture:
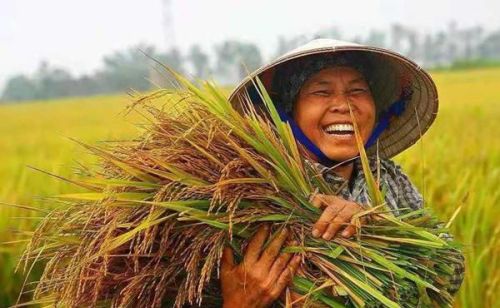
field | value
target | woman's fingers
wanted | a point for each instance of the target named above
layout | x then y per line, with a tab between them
279	265
287	274
269	255
337	215
281	262
316	201
349	231
354	226
325	219
343	221
227	261
334	226
321	200
254	282
254	247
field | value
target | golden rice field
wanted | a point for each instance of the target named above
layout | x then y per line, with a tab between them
456	164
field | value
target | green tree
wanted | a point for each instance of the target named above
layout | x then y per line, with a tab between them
19	88
129	69
490	47
235	59
200	62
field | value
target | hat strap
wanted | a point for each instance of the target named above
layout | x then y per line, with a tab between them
396	109
306	142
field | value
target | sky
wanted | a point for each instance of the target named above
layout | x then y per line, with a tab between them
76	34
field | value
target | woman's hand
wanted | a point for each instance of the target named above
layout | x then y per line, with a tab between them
262	275
337	215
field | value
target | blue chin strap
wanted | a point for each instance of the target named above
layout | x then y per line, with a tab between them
306	142
396	109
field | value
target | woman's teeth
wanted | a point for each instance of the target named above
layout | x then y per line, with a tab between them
340	129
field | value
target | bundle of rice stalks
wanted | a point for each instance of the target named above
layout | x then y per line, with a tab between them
158	212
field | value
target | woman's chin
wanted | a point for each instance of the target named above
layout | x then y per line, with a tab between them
338	148
341	155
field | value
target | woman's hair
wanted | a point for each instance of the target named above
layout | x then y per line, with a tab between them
291	76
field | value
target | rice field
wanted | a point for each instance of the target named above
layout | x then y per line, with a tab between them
456	164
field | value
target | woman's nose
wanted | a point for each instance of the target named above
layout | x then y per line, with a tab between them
339	104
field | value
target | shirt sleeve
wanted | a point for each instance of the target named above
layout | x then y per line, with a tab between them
458	266
458	274
403	194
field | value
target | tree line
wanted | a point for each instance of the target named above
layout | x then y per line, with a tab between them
138	67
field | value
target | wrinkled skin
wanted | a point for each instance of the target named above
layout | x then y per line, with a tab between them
324	99
262	275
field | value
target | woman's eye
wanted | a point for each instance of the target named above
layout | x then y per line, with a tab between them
357	91
321	93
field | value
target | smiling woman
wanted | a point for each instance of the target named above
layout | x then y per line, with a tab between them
325	90
322	110
210	197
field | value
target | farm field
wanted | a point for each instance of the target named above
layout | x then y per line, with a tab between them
456	164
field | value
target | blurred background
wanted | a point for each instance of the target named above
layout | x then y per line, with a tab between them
67	67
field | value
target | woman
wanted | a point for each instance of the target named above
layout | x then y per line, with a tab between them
315	88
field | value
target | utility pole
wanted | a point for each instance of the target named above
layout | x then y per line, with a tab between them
157	75
168	25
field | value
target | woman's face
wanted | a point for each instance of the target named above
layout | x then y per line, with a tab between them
321	110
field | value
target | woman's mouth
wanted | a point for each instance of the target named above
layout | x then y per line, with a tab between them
344	130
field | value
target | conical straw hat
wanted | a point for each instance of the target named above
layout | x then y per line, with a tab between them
391	74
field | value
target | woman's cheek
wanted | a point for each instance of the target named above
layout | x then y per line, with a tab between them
366	129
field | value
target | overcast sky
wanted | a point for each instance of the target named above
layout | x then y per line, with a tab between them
76	34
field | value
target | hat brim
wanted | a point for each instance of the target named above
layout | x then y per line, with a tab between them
391	71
